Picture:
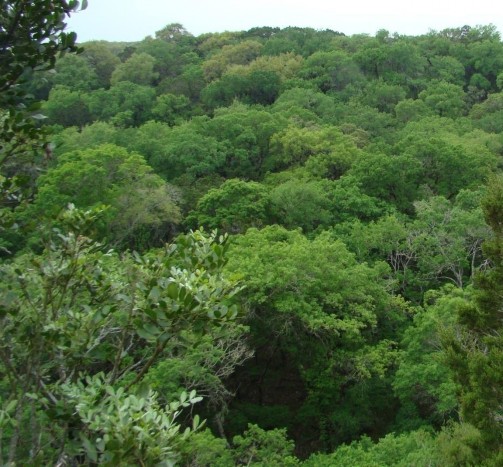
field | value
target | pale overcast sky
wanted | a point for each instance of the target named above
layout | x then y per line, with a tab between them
132	20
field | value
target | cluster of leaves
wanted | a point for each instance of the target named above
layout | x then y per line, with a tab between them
78	322
32	36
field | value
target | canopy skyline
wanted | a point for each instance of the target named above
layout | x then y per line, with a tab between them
111	20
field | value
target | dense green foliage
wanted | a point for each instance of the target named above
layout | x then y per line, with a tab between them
345	310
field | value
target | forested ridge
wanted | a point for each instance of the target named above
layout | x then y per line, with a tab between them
272	247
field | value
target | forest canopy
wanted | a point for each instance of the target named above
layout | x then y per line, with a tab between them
264	247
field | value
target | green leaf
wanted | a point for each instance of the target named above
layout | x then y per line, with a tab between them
155	294
145	335
195	423
152	329
11	406
89	447
172	291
